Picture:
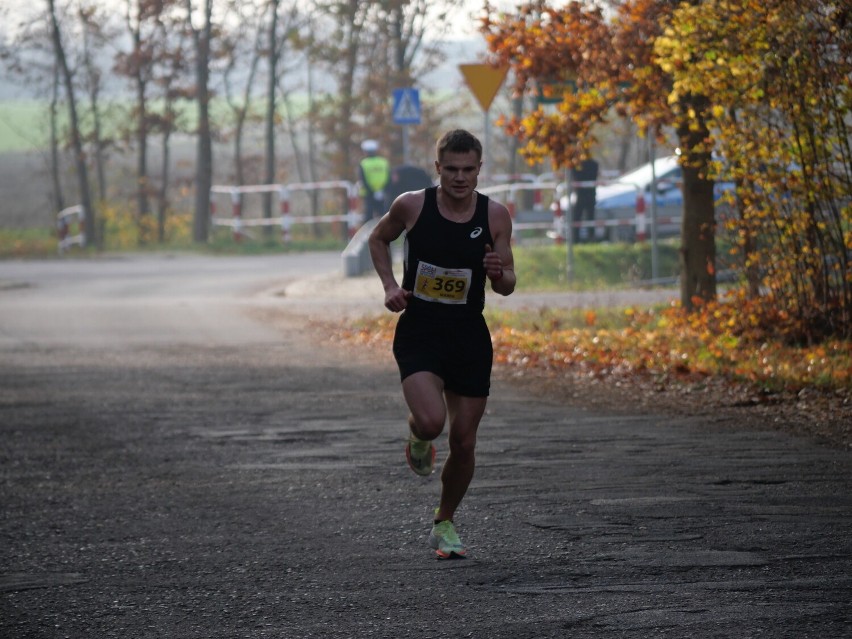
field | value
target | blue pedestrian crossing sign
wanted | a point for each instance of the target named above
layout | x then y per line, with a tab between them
406	106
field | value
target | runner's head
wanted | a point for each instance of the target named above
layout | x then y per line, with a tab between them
458	141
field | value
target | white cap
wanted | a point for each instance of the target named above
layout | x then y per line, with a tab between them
369	146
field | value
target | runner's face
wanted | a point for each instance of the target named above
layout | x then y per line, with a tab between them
459	173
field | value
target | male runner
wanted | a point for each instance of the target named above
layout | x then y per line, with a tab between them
455	239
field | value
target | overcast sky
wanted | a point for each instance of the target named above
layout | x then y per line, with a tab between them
462	26
465	25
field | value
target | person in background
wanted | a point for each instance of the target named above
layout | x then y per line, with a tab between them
373	175
586	195
405	177
456	241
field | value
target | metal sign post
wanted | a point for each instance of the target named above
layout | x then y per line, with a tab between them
652	153
484	81
487	141
568	214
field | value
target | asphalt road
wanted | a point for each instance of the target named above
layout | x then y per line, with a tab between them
184	456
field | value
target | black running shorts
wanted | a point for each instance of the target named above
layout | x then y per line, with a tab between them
458	351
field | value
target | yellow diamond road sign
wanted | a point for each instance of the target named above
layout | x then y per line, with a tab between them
484	81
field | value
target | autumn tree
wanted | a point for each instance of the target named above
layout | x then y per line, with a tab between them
26	53
405	28
53	116
371	47
284	21
144	20
780	76
80	158
167	118
600	66
336	43
254	50
273	57
243	46
97	33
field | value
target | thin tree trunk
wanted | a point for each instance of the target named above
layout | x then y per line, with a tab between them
204	151
76	138
100	160
162	195
271	92
241	111
58	197
142	202
312	155
94	90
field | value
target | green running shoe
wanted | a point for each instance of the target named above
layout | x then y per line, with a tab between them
420	454
445	541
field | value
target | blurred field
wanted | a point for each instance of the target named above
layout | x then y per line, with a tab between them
23	125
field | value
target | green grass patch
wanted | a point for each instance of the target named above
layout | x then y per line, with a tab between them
28	243
595	266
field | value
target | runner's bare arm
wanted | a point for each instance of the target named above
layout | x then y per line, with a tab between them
498	261
401	216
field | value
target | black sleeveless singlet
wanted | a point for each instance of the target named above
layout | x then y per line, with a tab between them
443	261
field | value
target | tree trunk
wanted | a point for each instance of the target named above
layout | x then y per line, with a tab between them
312	155
76	138
698	231
698	253
162	196
204	149
58	197
345	128
271	91
142	203
94	90
625	141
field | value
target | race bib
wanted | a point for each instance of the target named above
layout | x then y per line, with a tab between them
444	285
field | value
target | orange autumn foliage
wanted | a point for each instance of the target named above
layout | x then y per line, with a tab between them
718	340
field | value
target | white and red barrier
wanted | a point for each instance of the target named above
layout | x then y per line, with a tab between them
546	197
284	192
66	220
641	230
509	193
558	222
557	227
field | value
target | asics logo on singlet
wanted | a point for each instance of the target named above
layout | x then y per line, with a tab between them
476	232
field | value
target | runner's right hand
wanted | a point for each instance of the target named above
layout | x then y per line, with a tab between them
396	299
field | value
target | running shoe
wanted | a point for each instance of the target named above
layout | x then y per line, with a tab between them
420	454
445	541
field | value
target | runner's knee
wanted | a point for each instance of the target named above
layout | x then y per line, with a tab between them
462	446
427	424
